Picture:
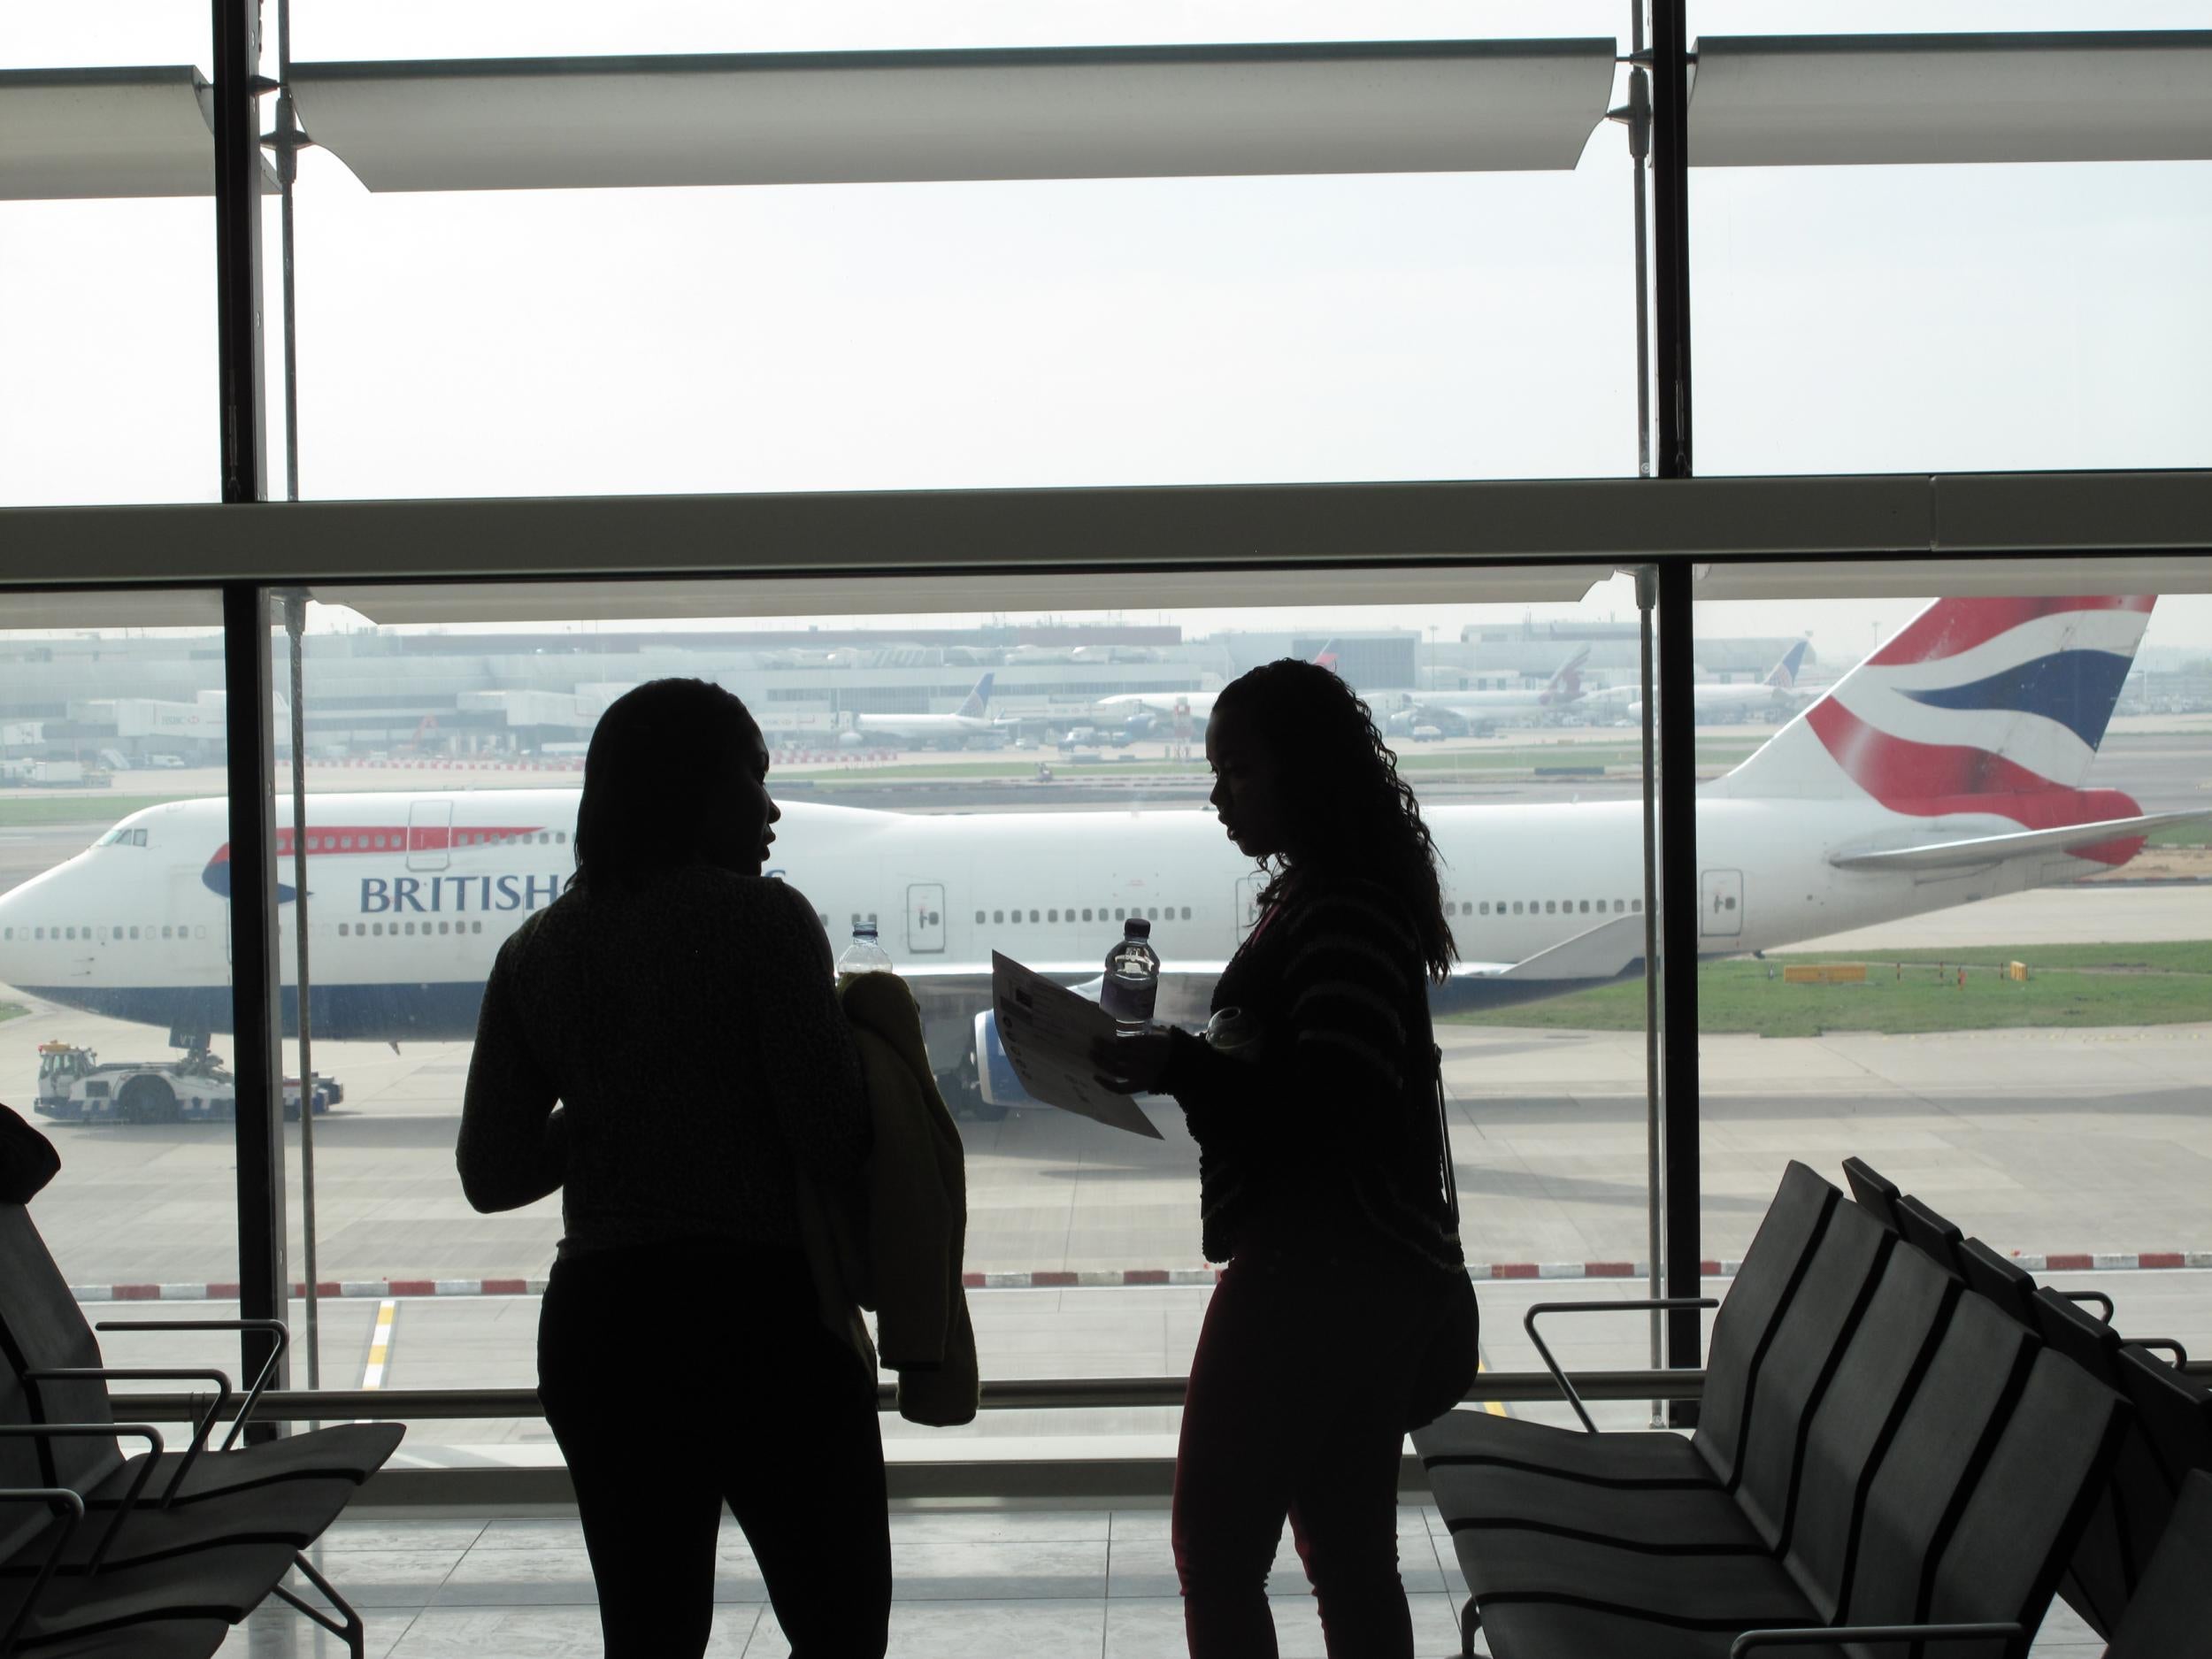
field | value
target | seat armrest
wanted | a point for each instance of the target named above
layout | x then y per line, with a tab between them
1656	1304
201	1430
2095	1298
108	1431
2159	1344
276	1328
70	1507
1821	1636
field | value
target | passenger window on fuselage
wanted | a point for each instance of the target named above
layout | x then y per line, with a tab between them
1033	916
1484	907
1551	907
476	927
1052	915
1516	906
1086	914
344	929
998	917
1635	906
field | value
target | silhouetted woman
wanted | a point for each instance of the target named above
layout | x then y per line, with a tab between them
681	1008
1319	1177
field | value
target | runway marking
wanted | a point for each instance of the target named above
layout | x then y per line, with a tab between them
379	1344
1495	1408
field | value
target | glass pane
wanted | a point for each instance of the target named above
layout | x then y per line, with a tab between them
1398	324
107	258
115	1021
2001	1013
1026	782
1910	314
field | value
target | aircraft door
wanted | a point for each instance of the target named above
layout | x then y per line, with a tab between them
1720	904
1247	905
925	917
429	834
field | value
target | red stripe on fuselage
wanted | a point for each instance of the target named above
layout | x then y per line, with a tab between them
1938	780
398	838
1952	626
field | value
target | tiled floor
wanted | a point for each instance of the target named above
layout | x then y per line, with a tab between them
1001	1584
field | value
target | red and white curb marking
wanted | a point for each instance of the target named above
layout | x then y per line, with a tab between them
381	1289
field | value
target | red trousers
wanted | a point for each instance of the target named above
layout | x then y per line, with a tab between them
1296	1408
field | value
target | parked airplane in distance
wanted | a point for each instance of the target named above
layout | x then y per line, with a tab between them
1142	711
1949	766
971	719
1496	707
1710	701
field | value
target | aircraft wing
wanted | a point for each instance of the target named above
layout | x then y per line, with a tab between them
1985	849
1598	953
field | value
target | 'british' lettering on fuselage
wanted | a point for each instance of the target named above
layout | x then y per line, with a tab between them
431	895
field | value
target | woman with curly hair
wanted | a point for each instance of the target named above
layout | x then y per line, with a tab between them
1319	1178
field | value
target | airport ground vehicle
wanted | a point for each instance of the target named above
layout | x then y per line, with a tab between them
75	1086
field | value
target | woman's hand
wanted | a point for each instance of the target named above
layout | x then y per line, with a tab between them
1132	1064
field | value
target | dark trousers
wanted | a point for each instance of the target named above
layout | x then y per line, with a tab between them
1297	1401
669	1402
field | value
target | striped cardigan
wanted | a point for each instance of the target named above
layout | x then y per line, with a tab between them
1331	1131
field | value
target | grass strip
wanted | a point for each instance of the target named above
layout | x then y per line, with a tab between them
1908	992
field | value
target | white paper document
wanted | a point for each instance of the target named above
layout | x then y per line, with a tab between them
1048	1031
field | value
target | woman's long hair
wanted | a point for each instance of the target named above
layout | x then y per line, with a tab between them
1348	808
666	778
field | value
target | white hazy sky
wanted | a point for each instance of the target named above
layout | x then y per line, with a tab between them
1179	331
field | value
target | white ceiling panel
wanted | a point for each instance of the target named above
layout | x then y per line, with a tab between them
887	116
1798	101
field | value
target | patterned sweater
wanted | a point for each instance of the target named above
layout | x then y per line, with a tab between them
1331	1131
691	1032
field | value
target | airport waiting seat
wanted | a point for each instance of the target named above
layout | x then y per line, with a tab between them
2118	1543
2170	1616
1875	1193
1744	1514
156	1539
1924	1230
1762	1287
1982	1476
45	1337
2003	1280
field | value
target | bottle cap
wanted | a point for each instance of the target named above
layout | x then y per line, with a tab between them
863	930
1136	927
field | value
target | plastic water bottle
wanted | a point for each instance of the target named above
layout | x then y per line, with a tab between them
1132	985
863	954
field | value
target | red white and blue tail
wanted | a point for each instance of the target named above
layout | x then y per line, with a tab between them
1978	706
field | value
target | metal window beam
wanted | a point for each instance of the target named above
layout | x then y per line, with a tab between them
1814	521
257	1061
